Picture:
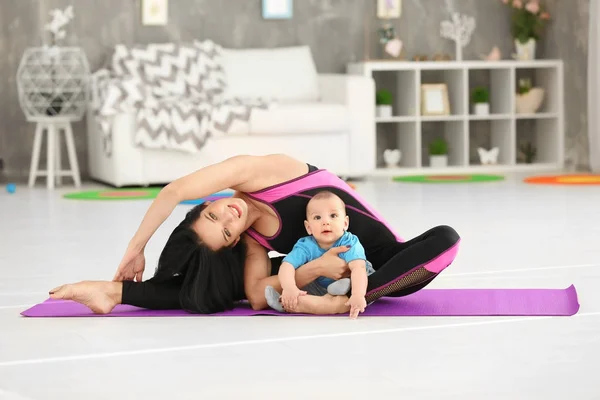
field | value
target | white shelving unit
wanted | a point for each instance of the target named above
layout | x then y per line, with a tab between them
411	132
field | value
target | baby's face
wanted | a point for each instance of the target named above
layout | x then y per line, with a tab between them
326	220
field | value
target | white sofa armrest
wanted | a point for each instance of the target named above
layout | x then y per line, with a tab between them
358	94
96	80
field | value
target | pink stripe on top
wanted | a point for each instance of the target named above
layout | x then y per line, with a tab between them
312	180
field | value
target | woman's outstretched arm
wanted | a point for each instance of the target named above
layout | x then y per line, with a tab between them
241	173
231	173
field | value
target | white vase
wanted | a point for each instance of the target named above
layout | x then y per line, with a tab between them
438	161
525	51
53	82
481	108
530	102
392	157
384	111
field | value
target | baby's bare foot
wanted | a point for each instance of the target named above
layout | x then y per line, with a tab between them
99	296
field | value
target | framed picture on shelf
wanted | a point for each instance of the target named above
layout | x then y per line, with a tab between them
155	12
434	99
387	9
277	9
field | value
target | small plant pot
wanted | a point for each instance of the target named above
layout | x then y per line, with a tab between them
438	161
481	108
525	51
384	111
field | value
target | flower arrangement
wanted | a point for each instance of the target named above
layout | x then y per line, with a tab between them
60	19
528	19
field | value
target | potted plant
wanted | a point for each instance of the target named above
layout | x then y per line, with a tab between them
528	152
480	98
438	153
528	19
383	101
529	98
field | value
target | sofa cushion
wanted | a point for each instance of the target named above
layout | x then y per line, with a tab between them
300	118
285	74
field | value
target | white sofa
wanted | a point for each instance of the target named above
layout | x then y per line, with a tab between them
331	128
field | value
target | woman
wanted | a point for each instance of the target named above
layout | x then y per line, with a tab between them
219	253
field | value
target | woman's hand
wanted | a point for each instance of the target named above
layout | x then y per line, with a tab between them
132	266
332	265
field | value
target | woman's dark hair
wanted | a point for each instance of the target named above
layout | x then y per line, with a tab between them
211	280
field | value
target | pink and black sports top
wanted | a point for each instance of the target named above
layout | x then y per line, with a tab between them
289	200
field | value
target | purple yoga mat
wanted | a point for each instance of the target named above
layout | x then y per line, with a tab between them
427	302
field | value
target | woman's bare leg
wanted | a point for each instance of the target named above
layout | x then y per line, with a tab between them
321	305
99	296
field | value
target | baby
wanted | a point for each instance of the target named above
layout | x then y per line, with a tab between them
327	224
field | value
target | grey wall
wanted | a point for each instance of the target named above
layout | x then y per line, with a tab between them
333	28
567	38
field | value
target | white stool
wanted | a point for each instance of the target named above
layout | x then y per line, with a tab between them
54	125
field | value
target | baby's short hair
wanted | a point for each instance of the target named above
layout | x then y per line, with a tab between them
326	194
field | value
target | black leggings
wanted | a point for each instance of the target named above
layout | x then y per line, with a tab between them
401	268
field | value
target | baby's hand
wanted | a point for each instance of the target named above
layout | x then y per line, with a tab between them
357	304
289	298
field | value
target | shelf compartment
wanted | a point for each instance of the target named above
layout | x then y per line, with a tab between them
403	86
403	136
454	80
545	78
544	135
453	132
489	134
497	81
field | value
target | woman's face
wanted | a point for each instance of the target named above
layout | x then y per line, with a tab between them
222	222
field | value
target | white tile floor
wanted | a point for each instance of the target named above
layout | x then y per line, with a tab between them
514	235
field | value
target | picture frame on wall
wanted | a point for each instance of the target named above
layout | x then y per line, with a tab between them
434	99
155	12
277	9
387	9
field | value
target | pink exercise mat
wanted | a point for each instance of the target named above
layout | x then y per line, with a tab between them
426	302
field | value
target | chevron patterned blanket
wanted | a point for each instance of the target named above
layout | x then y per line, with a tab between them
176	93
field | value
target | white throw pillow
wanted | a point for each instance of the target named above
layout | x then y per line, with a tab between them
286	74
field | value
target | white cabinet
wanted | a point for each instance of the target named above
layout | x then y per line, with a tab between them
411	131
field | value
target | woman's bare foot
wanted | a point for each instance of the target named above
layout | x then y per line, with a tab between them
99	296
326	304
